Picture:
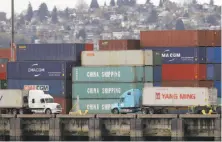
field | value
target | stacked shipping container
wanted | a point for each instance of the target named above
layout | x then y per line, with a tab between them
46	67
189	57
106	75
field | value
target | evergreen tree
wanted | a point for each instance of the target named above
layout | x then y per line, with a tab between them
120	2
161	3
132	2
180	25
112	3
153	16
194	1
82	34
94	4
29	13
211	2
147	1
67	13
54	15
105	3
21	20
43	12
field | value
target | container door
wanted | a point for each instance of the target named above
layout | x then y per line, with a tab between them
157	73
210	72
210	55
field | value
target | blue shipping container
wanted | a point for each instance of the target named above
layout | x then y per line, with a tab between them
217	84
40	70
157	84
214	55
56	88
157	73
213	71
190	55
39	52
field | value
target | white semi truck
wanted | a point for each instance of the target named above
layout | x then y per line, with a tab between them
15	101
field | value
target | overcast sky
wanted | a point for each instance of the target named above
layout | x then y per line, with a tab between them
21	5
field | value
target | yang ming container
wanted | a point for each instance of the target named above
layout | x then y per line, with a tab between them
3	71
217	84
3	84
103	90
181	72
49	52
119	44
214	55
96	106
40	70
213	71
56	88
120	58
176	55
108	74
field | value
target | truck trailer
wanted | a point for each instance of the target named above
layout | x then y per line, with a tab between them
15	101
159	100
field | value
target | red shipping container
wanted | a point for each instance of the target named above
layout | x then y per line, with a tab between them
6	53
3	71
65	103
180	72
89	47
119	44
187	83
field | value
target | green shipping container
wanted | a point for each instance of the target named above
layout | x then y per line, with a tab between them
148	74
103	90
96	106
108	74
157	59
3	84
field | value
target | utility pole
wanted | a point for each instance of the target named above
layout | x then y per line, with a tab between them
12	31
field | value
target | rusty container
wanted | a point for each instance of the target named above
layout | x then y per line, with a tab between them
89	47
119	44
6	53
174	38
176	72
65	103
187	84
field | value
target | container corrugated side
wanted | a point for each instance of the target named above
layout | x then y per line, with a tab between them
191	83
96	106
217	84
56	88
40	70
117	58
103	90
179	96
213	71
177	55
6	53
108	74
3	84
119	44
49	52
213	55
157	73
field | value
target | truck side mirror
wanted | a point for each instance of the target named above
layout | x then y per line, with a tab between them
33	101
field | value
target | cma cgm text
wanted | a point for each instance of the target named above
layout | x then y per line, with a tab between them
165	55
36	70
104	74
104	90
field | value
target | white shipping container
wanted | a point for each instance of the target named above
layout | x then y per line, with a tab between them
117	58
179	96
12	98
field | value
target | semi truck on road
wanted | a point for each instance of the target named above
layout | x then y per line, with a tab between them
159	100
27	101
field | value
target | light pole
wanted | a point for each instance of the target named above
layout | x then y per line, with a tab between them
12	30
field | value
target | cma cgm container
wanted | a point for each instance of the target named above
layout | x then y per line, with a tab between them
121	57
119	44
176	55
186	84
112	74
3	84
181	72
40	70
213	71
217	84
179	38
95	106
213	55
56	88
65	103
103	90
39	52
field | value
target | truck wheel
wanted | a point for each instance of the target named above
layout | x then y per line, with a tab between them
21	111
14	111
115	111
151	111
48	111
144	111
165	111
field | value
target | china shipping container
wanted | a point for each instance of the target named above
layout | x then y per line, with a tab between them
89	47
177	55
95	106
3	71
65	103
213	55
181	72
121	57
3	84
213	71
185	84
179	38
49	52
103	90
56	88
217	84
6	53
119	44
40	70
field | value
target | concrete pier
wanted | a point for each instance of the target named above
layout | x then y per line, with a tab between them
128	127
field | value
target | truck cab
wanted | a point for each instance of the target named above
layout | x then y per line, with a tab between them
130	102
39	102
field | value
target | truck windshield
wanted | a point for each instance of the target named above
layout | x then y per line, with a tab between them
48	100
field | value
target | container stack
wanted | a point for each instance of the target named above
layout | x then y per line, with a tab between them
105	75
190	58
46	67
